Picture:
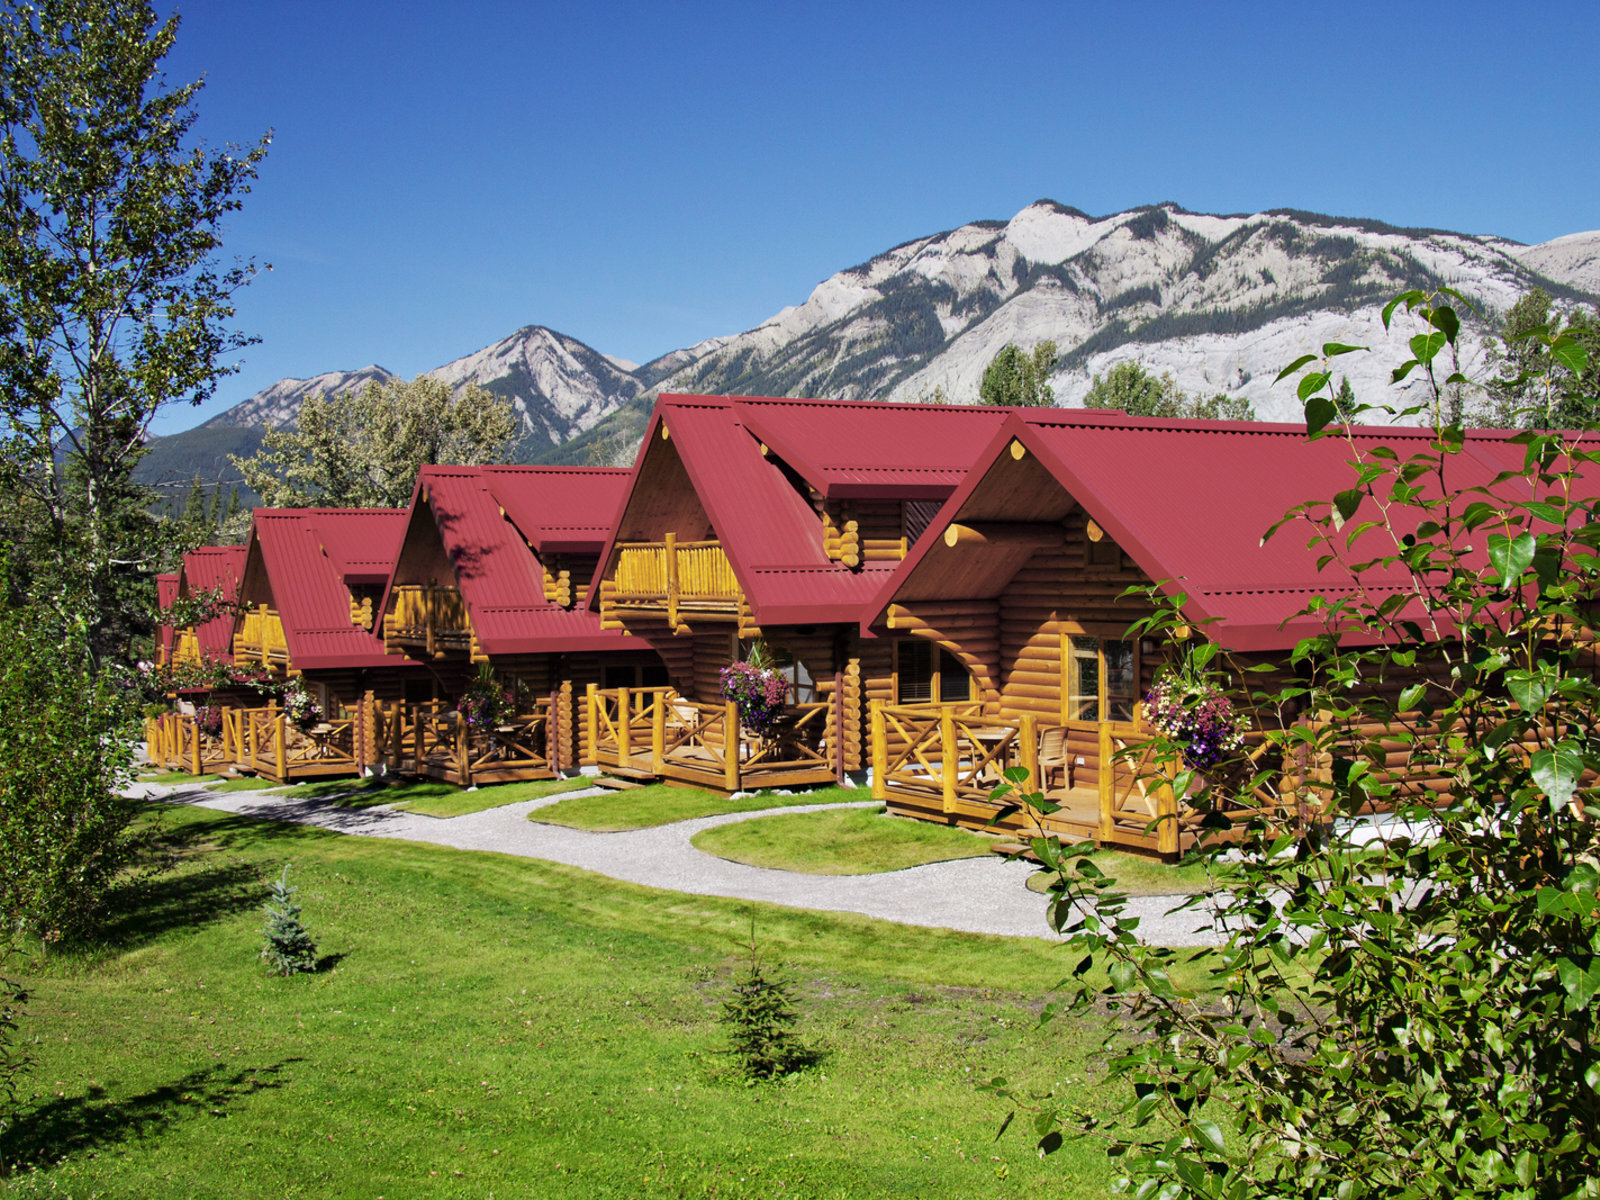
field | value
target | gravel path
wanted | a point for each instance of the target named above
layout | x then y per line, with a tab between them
973	895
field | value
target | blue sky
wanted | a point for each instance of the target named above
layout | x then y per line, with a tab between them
642	176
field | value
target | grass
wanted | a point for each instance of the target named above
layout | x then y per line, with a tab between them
840	841
493	1025
173	778
1141	875
661	804
461	802
245	783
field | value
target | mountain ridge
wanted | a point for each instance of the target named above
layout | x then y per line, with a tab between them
1219	300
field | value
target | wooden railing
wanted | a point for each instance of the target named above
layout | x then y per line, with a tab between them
279	749
951	753
186	647
177	742
444	745
675	576
259	637
658	732
427	616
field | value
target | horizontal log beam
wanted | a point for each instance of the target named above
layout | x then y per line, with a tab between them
1038	534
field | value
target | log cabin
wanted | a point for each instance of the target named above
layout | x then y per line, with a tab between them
311	579
184	738
492	575
752	519
1022	579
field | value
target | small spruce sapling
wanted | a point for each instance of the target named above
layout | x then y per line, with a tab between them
289	948
760	1016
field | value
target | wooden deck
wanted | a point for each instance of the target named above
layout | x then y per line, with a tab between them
656	732
943	762
423	740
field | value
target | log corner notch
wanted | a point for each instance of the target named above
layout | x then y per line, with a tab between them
1035	534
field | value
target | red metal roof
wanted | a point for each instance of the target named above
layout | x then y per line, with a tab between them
208	568
500	577
1190	502
559	510
849	450
307	582
360	542
844	449
166	593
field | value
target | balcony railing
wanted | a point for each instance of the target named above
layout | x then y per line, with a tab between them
675	577
259	638
428	617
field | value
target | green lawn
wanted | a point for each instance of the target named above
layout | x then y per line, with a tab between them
247	783
173	778
488	1025
459	802
840	841
1141	875
661	804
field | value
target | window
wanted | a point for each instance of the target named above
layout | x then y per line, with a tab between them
929	674
802	688
1102	679
633	675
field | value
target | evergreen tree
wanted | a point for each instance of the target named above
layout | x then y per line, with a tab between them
760	1016
289	948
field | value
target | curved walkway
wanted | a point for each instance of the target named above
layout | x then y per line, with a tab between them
973	895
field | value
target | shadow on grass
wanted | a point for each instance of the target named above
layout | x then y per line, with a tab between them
328	962
51	1130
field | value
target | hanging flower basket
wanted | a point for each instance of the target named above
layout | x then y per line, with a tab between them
300	707
1198	717
761	694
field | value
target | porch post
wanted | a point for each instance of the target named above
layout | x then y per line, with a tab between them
195	756
416	740
837	702
1028	735
658	734
949	755
252	750
624	741
670	552
552	732
1167	811
732	743
463	757
280	740
880	752
1108	823
589	755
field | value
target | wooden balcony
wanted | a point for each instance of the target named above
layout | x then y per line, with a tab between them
186	646
942	762
432	619
259	638
675	578
177	742
658	733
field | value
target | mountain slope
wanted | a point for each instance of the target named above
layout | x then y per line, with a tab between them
1222	302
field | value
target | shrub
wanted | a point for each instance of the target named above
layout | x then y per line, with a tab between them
64	757
1408	1010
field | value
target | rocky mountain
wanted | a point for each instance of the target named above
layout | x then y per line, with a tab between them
1222	302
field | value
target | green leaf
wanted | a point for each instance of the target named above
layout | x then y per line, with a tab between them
1511	556
1210	1135
1556	770
1426	346
1409	697
1334	349
1320	413
1445	320
1347	502
1570	354
1313	382
1295	366
1530	689
1579	984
